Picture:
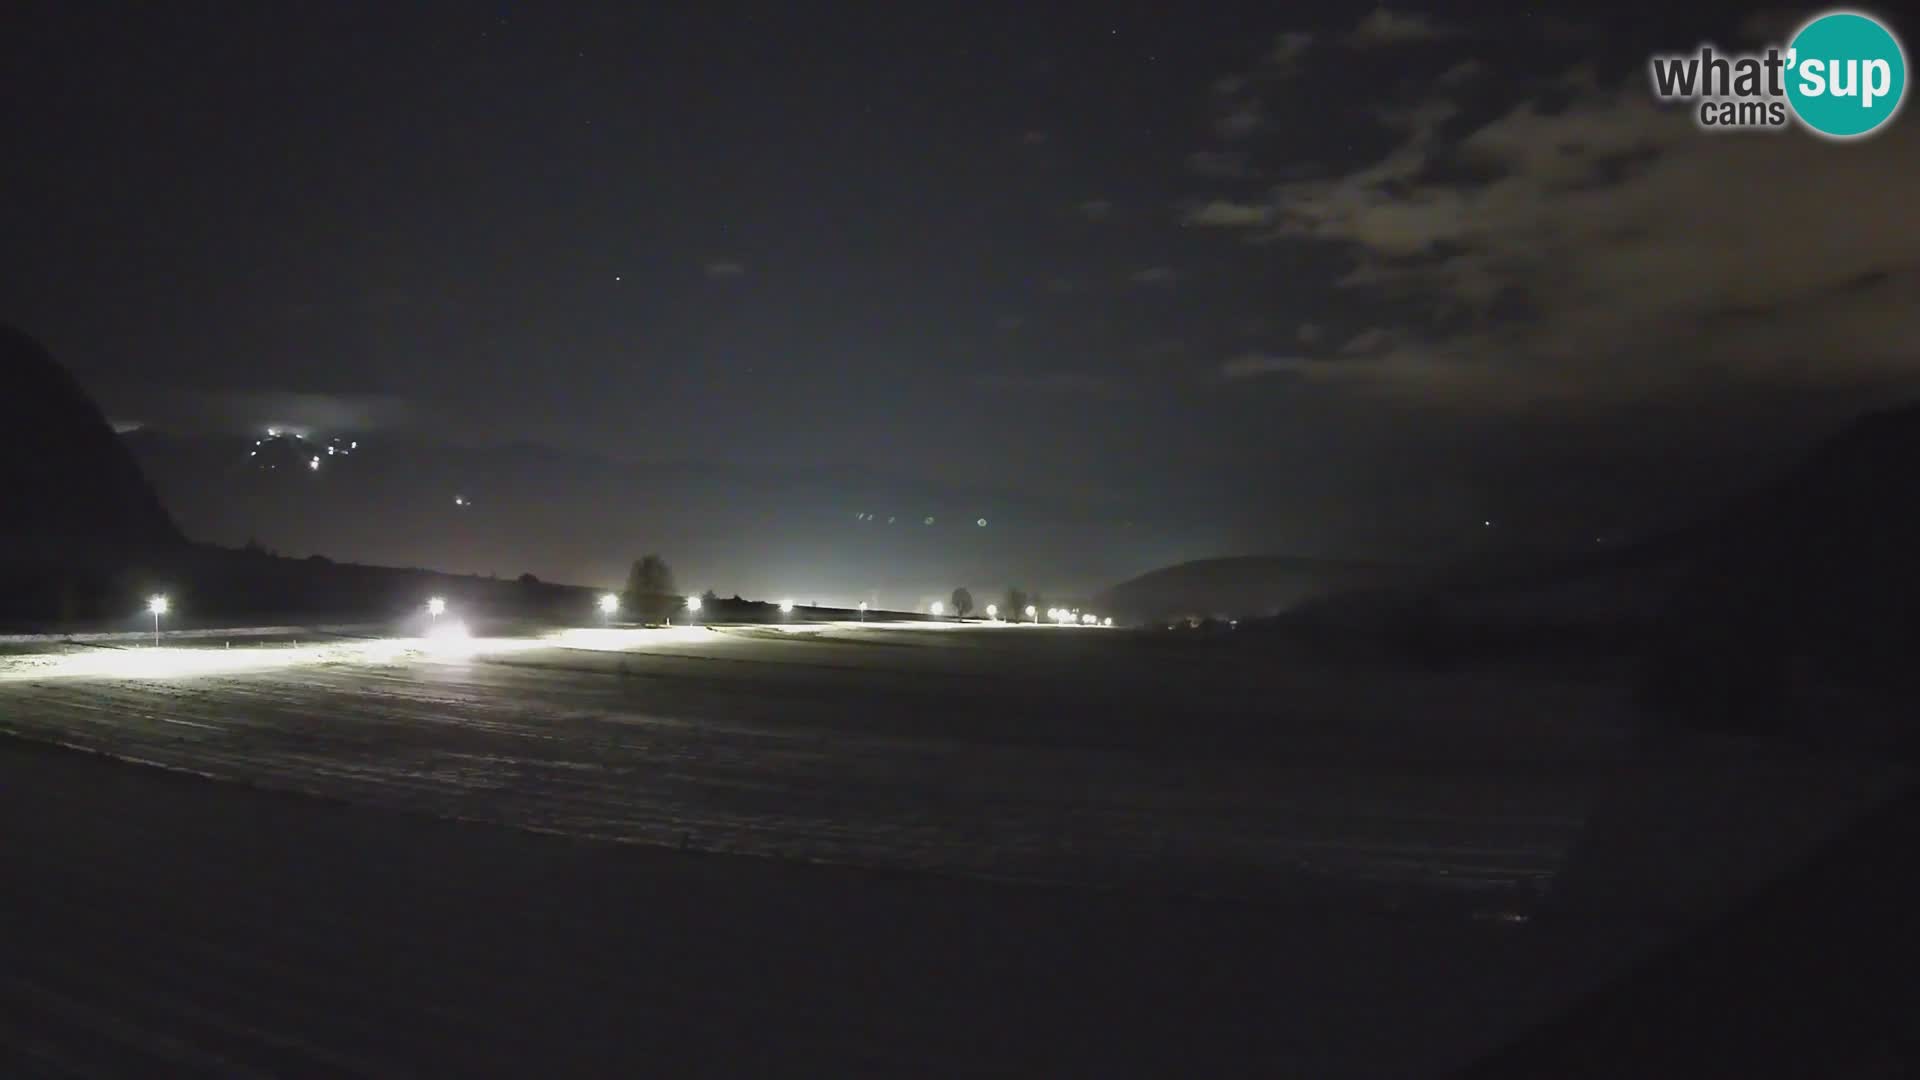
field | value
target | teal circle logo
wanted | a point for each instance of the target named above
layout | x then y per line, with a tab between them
1846	74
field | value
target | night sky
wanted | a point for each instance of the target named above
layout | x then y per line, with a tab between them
1136	283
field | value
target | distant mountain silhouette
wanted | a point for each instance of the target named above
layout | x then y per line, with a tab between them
70	488
1240	586
1810	585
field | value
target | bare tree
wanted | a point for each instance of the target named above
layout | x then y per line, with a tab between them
962	602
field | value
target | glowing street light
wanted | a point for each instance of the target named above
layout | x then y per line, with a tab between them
609	605
1086	620
436	607
1032	613
693	607
863	611
938	609
157	605
1108	621
993	611
786	605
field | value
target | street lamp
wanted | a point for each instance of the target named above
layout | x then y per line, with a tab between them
436	607
157	605
863	611
993	611
1033	613
693	608
938	609
786	605
609	604
1108	621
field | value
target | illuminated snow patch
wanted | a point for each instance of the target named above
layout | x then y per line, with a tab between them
618	640
173	663
451	642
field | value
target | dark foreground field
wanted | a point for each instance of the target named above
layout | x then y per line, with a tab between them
1041	851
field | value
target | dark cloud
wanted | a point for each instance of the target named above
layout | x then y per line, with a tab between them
1227	214
1064	383
1639	252
1254	365
1772	26
1384	26
1219	164
1242	119
1461	74
1371	341
1289	49
1562	30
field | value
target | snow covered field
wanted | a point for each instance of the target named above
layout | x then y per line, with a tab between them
1031	753
1319	870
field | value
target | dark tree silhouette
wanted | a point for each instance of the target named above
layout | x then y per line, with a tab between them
1015	606
962	602
650	590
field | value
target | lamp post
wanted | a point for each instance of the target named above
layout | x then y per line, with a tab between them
609	605
693	609
436	607
157	605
